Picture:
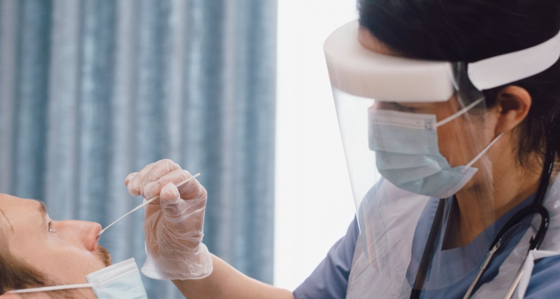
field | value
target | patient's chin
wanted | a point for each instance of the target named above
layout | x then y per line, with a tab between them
104	256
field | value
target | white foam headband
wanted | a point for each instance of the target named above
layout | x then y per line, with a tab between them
503	69
360	72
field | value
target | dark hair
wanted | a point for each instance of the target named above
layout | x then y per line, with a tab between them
472	30
16	274
13	273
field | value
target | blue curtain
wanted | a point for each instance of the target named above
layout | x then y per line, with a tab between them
93	90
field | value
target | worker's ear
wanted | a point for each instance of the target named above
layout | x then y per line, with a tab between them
512	106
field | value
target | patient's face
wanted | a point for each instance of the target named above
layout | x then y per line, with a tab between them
64	251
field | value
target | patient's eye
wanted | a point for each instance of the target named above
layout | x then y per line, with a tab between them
50	229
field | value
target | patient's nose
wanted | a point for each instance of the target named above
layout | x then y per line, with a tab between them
83	232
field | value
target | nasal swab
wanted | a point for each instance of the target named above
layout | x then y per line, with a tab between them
145	204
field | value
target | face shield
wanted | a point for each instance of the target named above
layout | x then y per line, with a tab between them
416	135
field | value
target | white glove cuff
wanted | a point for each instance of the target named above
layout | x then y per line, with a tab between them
192	265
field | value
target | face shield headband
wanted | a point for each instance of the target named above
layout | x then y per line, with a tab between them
357	71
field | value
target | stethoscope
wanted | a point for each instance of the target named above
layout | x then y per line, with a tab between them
535	208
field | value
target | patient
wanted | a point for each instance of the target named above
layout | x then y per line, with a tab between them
36	251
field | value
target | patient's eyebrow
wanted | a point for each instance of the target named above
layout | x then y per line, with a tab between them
4	214
43	211
42	208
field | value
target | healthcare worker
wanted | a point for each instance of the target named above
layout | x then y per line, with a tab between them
450	118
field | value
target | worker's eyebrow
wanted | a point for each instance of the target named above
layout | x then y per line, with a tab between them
4	214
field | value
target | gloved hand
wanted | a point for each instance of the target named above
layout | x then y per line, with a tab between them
173	224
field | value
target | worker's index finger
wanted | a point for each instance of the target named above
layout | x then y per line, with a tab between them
176	177
134	184
129	178
160	169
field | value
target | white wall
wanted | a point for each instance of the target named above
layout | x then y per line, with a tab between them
314	203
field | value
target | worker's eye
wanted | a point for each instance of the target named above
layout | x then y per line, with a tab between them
403	108
50	229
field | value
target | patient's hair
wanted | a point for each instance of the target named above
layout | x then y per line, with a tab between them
15	274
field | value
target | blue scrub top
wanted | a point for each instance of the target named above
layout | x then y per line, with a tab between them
330	278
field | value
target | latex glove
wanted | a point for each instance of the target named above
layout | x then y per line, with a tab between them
173	225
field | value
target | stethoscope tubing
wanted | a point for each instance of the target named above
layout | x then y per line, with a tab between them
535	208
535	243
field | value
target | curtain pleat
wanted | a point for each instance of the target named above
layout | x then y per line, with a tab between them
93	90
31	88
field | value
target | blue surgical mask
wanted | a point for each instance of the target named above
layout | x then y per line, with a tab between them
408	156
118	281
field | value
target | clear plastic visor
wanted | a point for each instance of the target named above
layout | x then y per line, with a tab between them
414	167
419	145
406	141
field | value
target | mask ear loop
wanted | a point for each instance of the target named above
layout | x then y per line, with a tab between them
482	152
456	115
459	113
54	288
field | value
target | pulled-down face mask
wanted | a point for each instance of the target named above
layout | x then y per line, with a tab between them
118	281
